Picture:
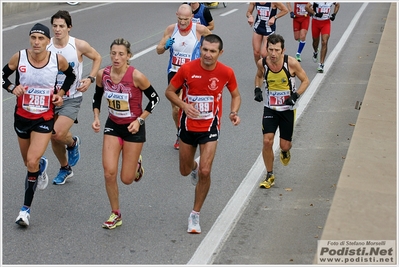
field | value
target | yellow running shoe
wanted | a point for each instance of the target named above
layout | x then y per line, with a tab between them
268	182
285	157
113	221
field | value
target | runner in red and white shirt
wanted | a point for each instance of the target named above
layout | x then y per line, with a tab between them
300	25
321	25
203	81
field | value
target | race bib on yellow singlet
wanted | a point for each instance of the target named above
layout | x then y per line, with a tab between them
118	104
179	59
204	104
277	98
36	100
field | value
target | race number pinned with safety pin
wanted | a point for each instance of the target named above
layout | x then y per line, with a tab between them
179	59
37	100
277	98
118	104
204	104
263	12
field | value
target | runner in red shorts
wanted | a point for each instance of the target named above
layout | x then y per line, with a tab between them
321	25
300	24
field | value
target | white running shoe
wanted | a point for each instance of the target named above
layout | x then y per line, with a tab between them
23	218
193	224
194	173
315	55
42	179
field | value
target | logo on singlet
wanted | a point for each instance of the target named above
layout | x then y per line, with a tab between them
22	68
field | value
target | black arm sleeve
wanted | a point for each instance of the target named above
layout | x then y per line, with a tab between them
97	97
153	97
6	73
69	79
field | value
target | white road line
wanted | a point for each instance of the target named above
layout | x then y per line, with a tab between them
229	12
228	218
48	19
139	54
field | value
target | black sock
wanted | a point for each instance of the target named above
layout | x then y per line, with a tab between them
67	167
30	187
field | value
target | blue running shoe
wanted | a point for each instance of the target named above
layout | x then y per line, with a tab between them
74	152
62	176
42	179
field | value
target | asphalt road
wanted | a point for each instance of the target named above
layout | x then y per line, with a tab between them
280	225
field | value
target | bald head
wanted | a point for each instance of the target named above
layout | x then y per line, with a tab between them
184	10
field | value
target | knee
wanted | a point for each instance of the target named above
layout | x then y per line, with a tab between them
32	164
127	180
204	172
267	143
127	177
57	136
109	176
184	170
285	146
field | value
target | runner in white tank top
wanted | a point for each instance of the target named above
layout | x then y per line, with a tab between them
73	49
183	39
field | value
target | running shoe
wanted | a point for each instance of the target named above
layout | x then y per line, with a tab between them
74	152
113	221
194	173
285	157
268	182
62	176
315	54
42	179
177	145
23	217
320	68
193	224
298	57
140	171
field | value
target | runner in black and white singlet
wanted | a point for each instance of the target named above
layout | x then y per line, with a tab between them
36	99
263	23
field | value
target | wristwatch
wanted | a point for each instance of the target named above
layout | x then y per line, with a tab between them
141	120
92	79
10	88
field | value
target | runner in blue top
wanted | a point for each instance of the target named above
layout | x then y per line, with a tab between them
263	24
